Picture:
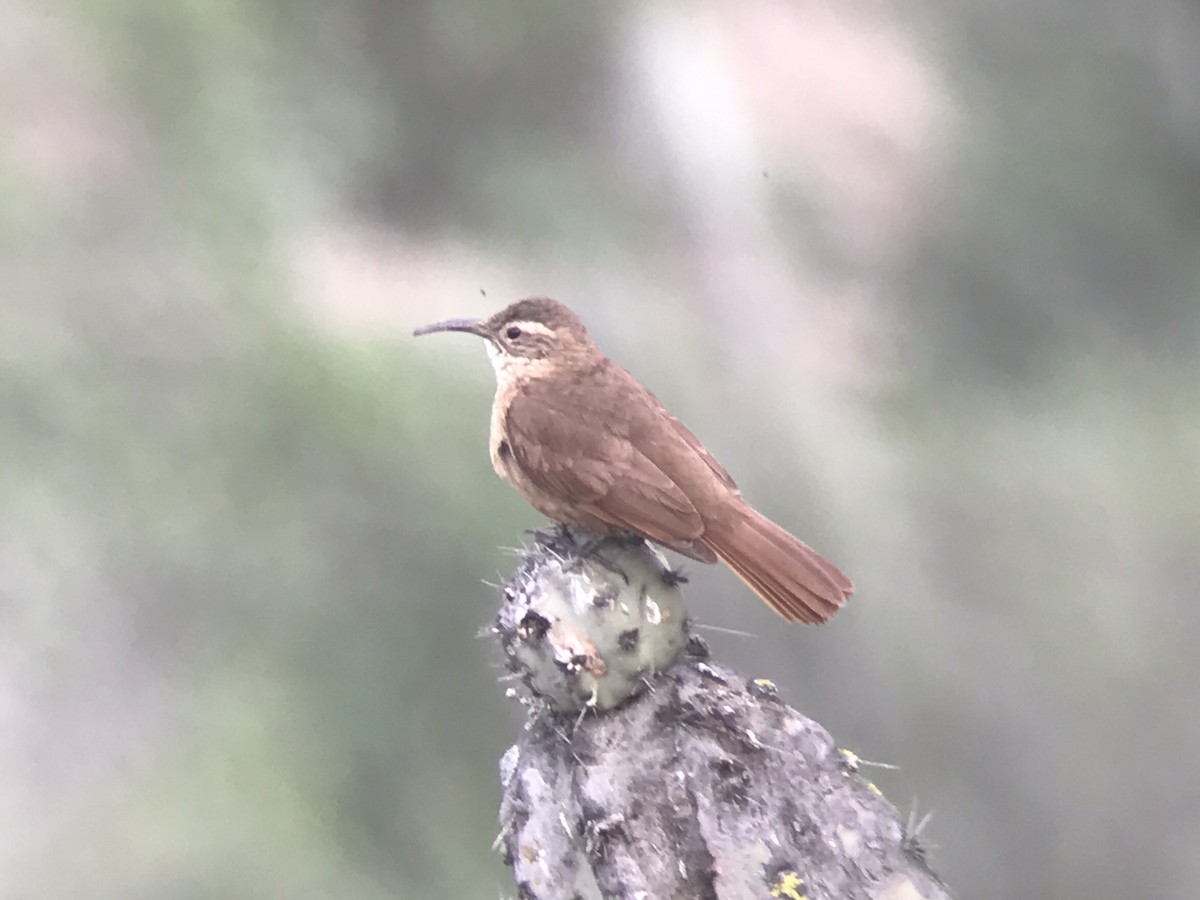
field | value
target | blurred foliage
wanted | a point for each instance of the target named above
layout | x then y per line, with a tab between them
243	517
1074	217
240	552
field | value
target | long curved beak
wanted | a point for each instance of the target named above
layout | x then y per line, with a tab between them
470	326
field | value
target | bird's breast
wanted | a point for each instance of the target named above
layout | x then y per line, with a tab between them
499	448
504	461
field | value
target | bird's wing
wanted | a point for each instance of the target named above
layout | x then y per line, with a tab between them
582	453
694	443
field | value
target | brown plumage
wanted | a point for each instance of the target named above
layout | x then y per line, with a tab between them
588	445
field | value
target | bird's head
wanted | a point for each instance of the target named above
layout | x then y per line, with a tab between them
526	336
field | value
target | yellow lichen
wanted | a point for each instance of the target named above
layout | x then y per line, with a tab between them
789	885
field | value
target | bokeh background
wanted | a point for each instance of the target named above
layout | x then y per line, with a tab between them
926	277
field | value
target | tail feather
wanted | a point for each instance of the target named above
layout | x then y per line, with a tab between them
791	577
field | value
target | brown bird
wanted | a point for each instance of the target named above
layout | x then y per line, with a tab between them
589	446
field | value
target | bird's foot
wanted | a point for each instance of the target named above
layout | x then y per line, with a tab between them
589	548
559	539
576	547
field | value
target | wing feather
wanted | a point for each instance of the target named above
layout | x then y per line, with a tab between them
591	461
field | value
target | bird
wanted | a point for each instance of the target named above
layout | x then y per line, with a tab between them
590	447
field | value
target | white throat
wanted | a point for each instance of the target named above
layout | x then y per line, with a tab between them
498	360
508	367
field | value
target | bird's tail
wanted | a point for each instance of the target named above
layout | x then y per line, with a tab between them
790	576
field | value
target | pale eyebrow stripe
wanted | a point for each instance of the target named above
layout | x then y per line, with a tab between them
534	328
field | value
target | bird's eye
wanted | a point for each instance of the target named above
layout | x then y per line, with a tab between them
513	332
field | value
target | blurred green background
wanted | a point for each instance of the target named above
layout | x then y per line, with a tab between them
926	277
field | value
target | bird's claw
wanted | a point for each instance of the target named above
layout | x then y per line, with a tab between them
574	551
